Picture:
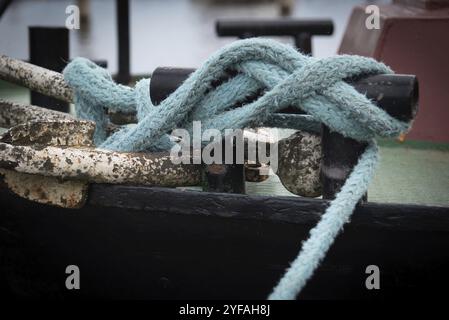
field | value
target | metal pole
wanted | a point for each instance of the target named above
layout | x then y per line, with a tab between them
49	48
303	41
123	75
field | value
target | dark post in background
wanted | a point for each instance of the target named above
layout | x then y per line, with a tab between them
123	74
49	48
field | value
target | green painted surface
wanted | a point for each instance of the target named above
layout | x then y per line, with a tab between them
14	93
412	175
405	174
410	172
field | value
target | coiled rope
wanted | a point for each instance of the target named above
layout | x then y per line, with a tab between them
279	77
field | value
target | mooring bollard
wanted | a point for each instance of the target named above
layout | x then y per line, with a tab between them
49	48
301	30
396	94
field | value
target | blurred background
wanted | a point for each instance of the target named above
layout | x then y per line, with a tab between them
163	32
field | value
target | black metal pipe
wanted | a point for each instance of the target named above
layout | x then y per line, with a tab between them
395	93
339	156
301	30
165	80
283	27
303	42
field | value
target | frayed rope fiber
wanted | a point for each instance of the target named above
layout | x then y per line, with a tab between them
275	76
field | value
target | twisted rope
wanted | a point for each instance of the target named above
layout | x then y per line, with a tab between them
279	77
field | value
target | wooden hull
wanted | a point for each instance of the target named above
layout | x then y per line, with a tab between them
156	243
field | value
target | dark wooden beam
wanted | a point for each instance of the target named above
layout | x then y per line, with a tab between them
295	210
158	243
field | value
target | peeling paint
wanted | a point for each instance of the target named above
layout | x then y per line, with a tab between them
101	166
36	78
13	114
39	127
51	132
47	190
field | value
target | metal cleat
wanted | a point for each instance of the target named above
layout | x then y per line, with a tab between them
40	128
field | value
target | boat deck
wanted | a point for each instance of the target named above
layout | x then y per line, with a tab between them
409	172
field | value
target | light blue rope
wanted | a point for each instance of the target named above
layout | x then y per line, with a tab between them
324	233
286	78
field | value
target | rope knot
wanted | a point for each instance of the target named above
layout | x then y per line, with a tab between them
267	77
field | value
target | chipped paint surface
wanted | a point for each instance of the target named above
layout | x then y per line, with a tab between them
47	190
39	79
32	125
53	159
299	164
101	166
61	133
13	113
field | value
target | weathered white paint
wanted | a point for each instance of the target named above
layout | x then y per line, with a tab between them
101	166
47	190
36	78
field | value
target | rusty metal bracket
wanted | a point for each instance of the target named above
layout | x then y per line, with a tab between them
48	157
